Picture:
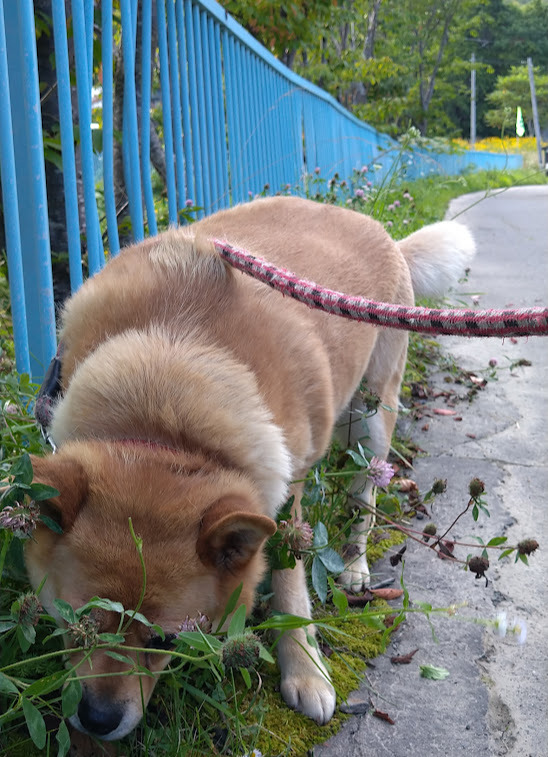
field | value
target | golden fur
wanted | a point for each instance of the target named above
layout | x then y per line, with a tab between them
192	397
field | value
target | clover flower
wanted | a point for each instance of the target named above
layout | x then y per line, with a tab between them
429	530
29	609
317	170
21	520
359	193
478	565
200	623
296	533
439	485
241	651
189	203
85	632
380	472
476	487
527	546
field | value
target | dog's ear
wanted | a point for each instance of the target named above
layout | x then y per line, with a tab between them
231	535
69	478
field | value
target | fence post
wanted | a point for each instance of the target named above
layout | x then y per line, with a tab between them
30	182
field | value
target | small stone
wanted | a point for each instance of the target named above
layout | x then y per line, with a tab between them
355	705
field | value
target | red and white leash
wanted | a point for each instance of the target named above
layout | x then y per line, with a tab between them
460	322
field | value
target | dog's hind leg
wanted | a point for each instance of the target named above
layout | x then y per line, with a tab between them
373	431
305	684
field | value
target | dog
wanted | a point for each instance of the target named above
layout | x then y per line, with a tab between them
192	399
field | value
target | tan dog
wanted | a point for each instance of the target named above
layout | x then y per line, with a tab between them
192	397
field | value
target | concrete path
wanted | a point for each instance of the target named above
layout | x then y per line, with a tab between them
494	701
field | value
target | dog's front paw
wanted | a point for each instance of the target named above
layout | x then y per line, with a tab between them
312	694
356	576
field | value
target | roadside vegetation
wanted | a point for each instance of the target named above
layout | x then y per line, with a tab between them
220	694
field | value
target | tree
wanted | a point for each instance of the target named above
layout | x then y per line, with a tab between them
512	91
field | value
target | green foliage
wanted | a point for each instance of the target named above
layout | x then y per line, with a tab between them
511	91
398	63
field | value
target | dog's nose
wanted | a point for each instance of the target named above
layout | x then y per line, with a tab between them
99	720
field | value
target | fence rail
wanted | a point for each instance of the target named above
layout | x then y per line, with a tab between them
233	118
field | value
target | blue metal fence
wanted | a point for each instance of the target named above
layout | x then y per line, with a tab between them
234	120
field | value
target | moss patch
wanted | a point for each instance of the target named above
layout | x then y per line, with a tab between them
285	732
381	540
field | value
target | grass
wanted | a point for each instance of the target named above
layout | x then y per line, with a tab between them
203	706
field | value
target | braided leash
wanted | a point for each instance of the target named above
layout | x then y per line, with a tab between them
460	322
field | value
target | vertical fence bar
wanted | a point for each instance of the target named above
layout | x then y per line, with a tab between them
220	116
262	131
206	66
257	170
193	92
95	252
246	105
67	143
239	156
11	212
166	112
185	101
197	34
233	115
88	21
130	113
146	75
215	114
31	183
108	128
176	103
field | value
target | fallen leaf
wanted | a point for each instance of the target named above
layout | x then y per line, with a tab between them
359	601
403	659
395	559
406	484
446	549
425	427
383	716
387	594
325	649
434	673
444	411
471	436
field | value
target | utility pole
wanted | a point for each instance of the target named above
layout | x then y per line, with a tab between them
473	102
535	111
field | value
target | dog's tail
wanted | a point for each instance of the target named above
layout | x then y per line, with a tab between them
437	256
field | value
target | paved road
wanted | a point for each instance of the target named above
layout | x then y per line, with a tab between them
494	701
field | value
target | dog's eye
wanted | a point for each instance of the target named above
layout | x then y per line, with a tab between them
156	642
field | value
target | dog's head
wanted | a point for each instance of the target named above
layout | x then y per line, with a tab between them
202	531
